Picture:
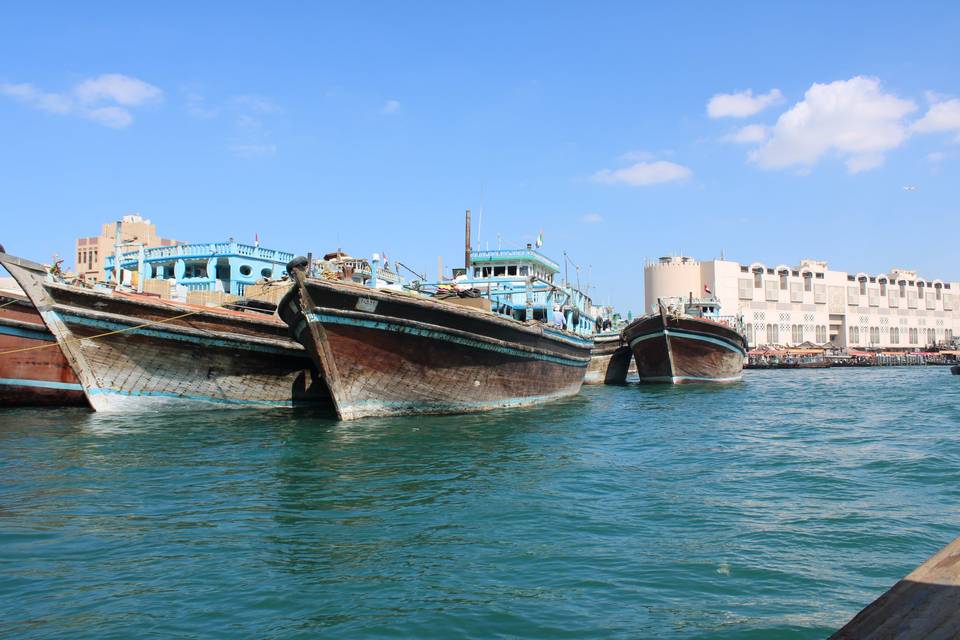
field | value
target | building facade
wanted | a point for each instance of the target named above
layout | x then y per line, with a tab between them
784	305
92	252
227	267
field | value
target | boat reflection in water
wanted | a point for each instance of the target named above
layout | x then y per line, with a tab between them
687	341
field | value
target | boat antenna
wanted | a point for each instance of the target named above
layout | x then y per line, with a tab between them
480	216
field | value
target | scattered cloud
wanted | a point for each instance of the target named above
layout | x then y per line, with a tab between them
390	106
118	88
865	162
105	99
198	107
591	218
941	116
644	174
936	157
742	104
256	104
853	118
750	134
253	150
114	117
638	156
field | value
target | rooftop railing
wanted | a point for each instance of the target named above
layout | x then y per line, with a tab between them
201	250
513	254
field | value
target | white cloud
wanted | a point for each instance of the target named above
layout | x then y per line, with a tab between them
741	104
118	88
637	156
936	157
942	116
95	99
750	134
865	162
853	118
113	117
591	218
643	174
390	106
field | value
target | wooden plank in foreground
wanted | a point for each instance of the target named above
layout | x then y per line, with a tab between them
925	604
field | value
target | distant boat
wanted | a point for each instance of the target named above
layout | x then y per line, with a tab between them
686	342
384	352
134	352
33	370
609	360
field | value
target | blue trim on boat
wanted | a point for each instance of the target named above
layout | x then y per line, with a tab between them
26	333
438	335
689	335
170	335
41	384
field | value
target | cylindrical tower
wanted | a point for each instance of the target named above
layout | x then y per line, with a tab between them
671	277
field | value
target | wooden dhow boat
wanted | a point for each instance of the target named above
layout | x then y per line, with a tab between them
687	342
132	352
33	370
609	360
384	352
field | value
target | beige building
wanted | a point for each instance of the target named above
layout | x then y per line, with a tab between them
92	252
787	305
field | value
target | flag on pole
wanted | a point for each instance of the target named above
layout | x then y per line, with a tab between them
256	239
540	239
706	289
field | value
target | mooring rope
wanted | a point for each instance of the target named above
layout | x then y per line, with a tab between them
108	333
10	302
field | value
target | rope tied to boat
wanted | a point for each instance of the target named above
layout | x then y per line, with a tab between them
56	343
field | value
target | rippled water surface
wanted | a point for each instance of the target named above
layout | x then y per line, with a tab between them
773	508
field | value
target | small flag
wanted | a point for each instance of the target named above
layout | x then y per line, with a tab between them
256	239
706	289
540	239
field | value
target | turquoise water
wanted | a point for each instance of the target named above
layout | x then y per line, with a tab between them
773	508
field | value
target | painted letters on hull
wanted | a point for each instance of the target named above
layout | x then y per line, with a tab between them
679	350
34	371
386	353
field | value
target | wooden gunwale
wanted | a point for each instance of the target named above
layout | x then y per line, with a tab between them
66	312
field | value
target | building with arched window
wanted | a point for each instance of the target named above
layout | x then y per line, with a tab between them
810	303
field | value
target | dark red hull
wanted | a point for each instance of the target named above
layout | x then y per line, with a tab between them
386	353
685	349
40	376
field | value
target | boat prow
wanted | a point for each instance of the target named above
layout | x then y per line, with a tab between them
678	348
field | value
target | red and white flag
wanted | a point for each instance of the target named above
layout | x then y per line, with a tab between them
706	289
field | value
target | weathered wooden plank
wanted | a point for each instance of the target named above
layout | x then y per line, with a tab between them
925	604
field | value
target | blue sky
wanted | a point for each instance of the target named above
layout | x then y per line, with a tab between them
623	131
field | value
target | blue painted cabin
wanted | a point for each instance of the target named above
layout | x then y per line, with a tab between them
212	266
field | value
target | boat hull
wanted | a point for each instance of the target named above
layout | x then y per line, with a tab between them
681	350
609	361
135	353
33	371
385	353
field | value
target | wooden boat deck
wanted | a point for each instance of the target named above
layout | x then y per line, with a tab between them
925	604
